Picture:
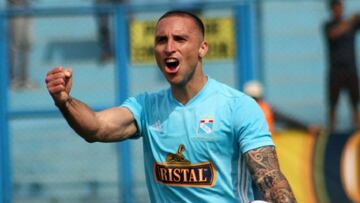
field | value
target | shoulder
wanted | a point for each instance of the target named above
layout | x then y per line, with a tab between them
146	100
328	24
234	98
152	96
357	22
226	90
230	92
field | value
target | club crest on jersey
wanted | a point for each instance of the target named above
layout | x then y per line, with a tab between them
206	125
178	171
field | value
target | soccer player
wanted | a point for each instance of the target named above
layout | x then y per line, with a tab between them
203	141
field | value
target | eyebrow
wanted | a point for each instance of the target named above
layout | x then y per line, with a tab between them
173	35
157	38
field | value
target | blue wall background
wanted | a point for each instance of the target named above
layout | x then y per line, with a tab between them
51	164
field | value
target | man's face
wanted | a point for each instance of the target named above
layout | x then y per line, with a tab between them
179	47
337	10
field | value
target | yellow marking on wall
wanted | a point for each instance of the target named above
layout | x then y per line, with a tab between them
295	152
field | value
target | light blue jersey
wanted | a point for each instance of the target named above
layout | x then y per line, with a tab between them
194	152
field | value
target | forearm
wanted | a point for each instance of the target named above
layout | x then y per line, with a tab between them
275	188
81	118
340	29
265	170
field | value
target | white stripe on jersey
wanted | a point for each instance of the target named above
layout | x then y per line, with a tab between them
243	182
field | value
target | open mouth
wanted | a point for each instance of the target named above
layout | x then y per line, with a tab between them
172	65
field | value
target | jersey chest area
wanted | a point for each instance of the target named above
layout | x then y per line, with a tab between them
188	144
200	130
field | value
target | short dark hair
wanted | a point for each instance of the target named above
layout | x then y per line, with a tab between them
183	13
333	3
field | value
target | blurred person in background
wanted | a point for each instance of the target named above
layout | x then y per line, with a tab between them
274	117
340	33
19	47
203	140
105	39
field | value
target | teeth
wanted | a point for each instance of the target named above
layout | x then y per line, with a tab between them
170	60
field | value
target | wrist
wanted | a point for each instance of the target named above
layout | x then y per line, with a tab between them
64	104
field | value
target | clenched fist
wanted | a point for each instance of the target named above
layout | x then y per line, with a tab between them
59	82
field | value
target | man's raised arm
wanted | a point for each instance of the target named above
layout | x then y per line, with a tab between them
110	125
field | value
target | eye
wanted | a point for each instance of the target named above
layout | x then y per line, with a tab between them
160	39
179	38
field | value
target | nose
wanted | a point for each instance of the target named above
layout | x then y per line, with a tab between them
170	47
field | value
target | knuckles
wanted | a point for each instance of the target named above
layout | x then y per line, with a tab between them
56	80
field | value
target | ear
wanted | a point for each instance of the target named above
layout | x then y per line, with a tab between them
203	49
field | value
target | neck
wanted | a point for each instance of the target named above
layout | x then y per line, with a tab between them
186	92
337	17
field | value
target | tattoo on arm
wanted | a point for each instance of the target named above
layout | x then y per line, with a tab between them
264	168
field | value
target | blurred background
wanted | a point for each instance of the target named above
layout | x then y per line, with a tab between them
109	46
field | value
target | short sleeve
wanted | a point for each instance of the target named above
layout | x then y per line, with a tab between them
251	130
357	22
135	105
